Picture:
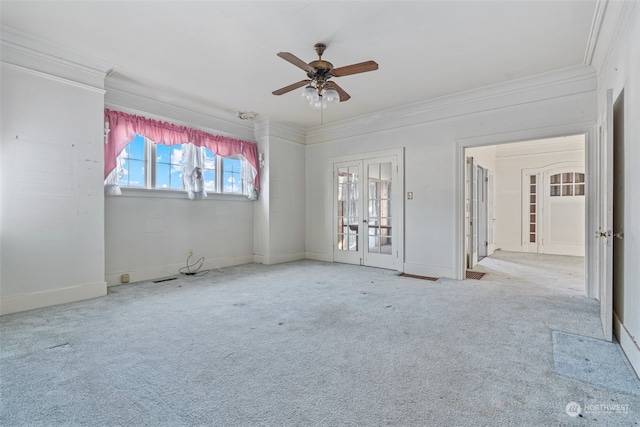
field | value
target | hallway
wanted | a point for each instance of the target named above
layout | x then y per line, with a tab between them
564	274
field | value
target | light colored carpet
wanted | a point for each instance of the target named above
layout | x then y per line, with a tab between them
305	344
594	361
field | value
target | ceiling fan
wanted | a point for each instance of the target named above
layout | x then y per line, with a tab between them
320	90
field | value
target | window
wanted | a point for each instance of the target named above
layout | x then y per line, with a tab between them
533	198
133	161
209	171
566	184
168	166
157	166
232	172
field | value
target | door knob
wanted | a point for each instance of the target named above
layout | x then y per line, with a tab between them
600	234
618	235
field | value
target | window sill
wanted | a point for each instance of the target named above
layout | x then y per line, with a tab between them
178	194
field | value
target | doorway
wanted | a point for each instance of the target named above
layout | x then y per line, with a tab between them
532	193
367	211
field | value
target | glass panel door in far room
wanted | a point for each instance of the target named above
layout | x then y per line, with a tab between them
347	242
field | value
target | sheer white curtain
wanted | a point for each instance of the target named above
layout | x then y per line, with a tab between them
111	186
249	175
192	176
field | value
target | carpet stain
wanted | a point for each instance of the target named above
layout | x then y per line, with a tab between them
59	346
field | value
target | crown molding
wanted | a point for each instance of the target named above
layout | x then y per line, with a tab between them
609	25
265	128
564	82
594	32
53	78
19	48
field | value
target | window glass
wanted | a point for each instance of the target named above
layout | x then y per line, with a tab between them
157	166
133	162
567	184
232	175
209	170
169	166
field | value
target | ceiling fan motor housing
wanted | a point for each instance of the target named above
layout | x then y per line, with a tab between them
322	70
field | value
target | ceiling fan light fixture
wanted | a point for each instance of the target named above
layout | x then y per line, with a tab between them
320	103
310	94
331	95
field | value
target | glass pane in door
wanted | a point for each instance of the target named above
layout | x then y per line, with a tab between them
348	210
379	208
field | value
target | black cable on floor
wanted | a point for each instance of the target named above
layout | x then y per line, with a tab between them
190	271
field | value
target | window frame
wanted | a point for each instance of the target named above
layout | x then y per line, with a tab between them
149	189
564	183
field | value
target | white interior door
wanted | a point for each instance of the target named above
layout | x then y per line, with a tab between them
367	212
605	248
380	222
490	215
482	213
347	243
563	211
472	249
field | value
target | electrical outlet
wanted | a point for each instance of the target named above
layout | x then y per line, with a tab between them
124	278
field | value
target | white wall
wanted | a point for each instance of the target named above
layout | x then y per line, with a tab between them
280	212
617	58
433	135
149	237
52	221
485	156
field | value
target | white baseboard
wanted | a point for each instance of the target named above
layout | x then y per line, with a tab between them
279	259
629	345
33	300
318	256
160	271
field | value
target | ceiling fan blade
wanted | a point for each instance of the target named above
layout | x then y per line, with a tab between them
344	96
296	61
291	87
362	67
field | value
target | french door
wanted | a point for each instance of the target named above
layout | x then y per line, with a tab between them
366	212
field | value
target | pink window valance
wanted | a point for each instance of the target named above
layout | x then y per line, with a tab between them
124	127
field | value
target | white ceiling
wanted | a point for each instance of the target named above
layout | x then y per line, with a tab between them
222	54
